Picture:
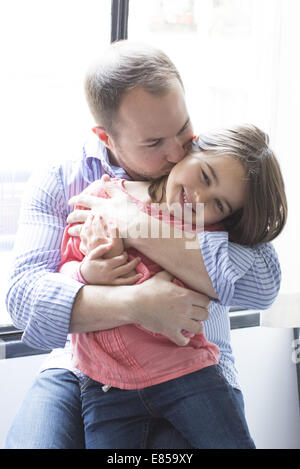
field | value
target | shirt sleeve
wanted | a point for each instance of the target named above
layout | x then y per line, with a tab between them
246	277
40	299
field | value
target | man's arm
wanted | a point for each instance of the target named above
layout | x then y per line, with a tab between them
156	304
39	299
235	275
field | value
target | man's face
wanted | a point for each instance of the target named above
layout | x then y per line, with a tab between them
153	132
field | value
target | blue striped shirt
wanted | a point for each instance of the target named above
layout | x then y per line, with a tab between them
40	300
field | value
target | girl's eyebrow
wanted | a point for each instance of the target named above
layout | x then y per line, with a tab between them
215	177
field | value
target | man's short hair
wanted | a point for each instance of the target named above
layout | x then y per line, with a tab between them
126	65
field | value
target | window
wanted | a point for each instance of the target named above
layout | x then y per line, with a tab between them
239	63
47	47
225	50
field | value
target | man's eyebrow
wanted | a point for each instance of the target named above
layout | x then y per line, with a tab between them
153	139
184	126
215	177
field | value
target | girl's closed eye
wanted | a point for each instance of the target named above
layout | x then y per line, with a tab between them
206	178
219	205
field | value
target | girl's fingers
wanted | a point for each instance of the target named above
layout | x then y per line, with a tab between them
127	280
118	260
99	251
113	231
127	268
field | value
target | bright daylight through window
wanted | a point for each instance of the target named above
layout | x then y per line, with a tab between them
44	117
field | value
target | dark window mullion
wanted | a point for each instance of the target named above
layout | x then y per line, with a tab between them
119	19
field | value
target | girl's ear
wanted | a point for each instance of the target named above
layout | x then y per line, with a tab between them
104	137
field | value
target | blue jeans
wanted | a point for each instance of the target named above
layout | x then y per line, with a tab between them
50	417
201	406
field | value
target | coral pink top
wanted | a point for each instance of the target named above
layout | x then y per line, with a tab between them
129	356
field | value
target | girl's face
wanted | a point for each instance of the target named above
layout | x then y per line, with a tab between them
218	182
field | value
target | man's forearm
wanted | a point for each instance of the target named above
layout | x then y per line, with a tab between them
100	308
157	304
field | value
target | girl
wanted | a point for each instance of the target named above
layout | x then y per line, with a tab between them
236	178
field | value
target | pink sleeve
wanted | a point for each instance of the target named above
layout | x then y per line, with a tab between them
70	248
72	269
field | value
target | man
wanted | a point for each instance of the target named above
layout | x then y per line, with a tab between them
143	128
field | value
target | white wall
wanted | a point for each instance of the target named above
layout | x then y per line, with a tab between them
269	383
267	376
16	376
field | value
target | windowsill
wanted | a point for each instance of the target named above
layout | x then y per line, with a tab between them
240	319
11	345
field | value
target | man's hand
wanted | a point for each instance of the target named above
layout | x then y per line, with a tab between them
119	209
79	216
95	232
76	219
163	307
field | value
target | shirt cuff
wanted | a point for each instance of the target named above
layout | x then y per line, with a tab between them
48	327
225	262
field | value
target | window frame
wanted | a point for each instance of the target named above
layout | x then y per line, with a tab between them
119	20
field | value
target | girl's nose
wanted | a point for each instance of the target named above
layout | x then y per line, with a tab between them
201	197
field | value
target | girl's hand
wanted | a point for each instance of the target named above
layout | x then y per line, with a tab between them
115	271
105	262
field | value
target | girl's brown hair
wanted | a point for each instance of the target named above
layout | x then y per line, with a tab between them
265	211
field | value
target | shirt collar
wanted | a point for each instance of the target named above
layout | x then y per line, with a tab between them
94	148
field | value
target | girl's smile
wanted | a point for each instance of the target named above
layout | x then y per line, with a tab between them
216	182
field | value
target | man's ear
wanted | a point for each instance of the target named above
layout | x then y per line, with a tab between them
104	137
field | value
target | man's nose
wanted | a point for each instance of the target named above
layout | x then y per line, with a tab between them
176	152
